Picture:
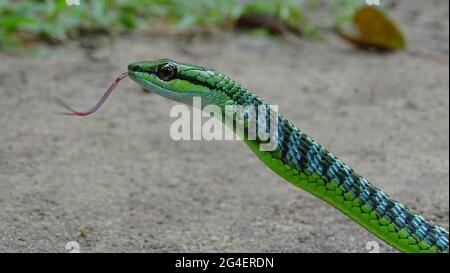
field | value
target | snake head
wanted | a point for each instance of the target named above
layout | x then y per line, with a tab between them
176	81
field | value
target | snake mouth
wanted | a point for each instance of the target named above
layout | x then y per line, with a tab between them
142	78
149	81
136	72
133	75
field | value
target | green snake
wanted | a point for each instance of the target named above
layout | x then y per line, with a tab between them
296	157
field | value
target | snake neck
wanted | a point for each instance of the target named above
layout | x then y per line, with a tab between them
305	163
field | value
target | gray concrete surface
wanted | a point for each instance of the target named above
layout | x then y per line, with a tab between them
116	182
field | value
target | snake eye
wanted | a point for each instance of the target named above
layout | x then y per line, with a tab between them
166	72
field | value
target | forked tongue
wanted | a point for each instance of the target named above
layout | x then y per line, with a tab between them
91	110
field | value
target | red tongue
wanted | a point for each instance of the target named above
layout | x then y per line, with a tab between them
73	112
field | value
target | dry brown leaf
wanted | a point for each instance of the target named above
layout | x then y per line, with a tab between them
376	30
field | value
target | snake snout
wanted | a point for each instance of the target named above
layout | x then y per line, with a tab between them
135	67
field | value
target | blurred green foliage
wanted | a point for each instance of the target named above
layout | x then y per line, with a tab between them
56	21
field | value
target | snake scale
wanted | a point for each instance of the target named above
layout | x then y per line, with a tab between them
298	158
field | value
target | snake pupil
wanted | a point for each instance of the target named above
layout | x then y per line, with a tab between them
166	72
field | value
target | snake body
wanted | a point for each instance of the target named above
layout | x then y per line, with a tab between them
298	158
